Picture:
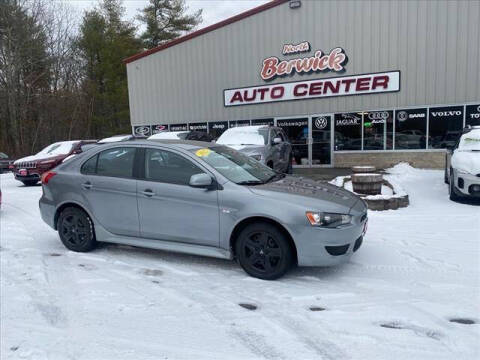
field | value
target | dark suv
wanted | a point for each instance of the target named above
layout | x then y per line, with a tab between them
5	163
30	169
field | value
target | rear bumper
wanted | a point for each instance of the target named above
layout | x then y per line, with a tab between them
47	211
29	177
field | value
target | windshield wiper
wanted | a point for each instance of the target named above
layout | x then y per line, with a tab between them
250	182
275	177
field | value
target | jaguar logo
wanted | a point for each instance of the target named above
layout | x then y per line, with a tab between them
321	122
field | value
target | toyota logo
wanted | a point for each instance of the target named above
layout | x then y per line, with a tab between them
321	122
142	130
378	115
402	115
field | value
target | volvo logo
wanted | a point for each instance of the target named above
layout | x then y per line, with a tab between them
478	108
142	130
402	115
321	122
378	115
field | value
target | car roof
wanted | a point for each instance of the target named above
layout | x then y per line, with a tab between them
179	144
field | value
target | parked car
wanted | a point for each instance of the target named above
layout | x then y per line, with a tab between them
29	169
5	163
266	144
201	198
183	135
462	165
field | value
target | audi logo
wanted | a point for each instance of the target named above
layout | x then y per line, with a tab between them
378	115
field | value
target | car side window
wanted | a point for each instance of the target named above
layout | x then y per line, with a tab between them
116	162
90	166
168	167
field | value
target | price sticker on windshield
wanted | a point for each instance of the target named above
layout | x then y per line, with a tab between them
203	152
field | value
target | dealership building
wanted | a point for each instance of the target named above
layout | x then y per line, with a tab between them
350	82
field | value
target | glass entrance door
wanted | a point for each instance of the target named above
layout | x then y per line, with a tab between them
321	140
297	131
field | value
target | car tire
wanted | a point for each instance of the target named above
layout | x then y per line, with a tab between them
75	229
445	177
30	182
451	188
263	251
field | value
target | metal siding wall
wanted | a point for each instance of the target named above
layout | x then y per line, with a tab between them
435	45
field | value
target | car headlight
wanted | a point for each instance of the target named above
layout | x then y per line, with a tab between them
256	157
329	220
461	171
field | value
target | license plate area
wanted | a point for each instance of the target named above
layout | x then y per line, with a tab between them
23	172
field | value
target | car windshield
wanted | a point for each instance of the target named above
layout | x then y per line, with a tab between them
247	135
59	148
470	141
235	166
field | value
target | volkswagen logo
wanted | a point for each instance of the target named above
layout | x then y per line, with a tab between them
142	130
402	115
321	122
378	115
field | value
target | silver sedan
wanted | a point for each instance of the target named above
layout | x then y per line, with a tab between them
201	198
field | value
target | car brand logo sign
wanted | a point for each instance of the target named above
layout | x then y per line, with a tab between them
378	115
142	130
402	115
321	122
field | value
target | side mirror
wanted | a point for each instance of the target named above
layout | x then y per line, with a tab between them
277	141
201	181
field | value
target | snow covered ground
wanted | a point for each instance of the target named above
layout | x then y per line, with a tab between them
418	268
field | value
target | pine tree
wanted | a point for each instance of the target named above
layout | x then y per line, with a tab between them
166	20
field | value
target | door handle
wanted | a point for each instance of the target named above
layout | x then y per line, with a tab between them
87	185
148	193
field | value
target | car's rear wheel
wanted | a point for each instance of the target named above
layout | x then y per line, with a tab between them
76	230
30	182
451	188
264	251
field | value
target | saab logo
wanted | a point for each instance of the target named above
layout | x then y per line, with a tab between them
321	122
447	113
402	115
379	115
142	130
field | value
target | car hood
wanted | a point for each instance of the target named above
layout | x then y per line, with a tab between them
37	158
312	194
248	149
467	161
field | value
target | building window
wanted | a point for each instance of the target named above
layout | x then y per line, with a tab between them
198	127
374	130
178	127
472	115
411	128
348	131
216	128
445	126
236	123
268	121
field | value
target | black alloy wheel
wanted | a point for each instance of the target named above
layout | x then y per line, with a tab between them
263	251
76	230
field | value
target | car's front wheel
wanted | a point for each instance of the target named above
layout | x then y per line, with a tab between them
76	230
264	251
451	188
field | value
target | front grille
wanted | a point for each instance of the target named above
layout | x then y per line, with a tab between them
26	165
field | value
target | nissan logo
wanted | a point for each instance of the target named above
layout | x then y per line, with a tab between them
321	122
378	115
142	130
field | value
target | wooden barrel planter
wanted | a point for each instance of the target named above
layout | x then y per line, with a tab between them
363	169
367	183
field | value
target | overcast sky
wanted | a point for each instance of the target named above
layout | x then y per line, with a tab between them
213	10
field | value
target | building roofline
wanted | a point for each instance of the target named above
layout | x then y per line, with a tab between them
205	30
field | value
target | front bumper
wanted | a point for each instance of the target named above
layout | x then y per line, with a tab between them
467	184
318	246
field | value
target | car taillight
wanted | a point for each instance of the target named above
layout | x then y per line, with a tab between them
47	176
